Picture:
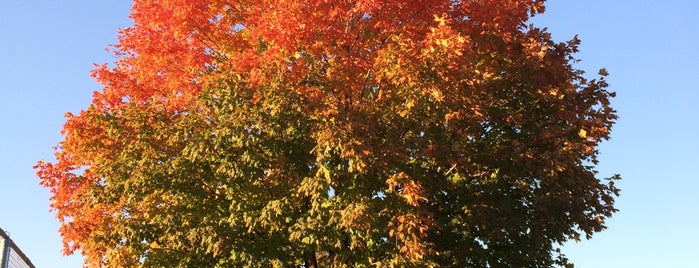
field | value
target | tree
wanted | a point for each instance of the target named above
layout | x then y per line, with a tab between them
334	134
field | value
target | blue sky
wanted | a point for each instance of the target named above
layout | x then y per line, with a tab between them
650	48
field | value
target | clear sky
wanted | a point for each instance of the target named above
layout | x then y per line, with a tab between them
650	48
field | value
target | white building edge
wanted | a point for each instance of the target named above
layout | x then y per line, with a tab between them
10	254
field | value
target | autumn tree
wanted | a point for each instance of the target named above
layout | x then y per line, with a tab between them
322	133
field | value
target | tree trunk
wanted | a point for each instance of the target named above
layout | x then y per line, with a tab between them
311	260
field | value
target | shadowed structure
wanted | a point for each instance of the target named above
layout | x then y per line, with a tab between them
12	256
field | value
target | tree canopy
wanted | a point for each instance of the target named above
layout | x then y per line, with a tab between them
326	133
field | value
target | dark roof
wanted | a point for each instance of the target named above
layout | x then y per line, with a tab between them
13	248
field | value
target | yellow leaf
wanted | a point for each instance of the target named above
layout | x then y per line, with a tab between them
441	20
582	133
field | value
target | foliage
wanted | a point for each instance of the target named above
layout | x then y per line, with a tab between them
334	134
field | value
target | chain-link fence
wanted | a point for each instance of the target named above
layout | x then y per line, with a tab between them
12	256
